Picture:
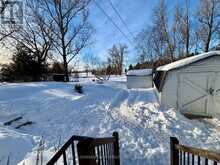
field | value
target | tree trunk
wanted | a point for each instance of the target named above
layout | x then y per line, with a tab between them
40	67
63	34
65	69
65	63
187	28
187	38
209	37
207	43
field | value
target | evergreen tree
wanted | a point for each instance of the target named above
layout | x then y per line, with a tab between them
130	67
24	67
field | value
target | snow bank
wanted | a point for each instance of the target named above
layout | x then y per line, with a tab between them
14	146
186	61
58	112
139	72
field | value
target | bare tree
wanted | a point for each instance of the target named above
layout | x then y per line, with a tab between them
6	29
71	28
92	61
36	35
209	21
116	58
160	31
103	71
144	46
181	30
154	41
175	31
166	38
185	22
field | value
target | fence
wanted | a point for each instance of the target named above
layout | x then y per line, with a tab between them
185	155
88	151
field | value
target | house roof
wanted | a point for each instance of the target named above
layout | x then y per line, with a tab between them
187	61
161	71
139	72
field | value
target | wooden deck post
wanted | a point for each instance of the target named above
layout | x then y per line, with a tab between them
116	149
174	153
86	153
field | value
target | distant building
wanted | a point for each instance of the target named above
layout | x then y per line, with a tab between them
139	78
82	74
145	65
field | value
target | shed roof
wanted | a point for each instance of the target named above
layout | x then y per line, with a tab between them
139	72
187	61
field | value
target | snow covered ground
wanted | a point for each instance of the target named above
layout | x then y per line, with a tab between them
58	112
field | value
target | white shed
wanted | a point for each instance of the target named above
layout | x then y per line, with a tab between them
141	78
191	85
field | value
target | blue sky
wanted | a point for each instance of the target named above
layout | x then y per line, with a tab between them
136	13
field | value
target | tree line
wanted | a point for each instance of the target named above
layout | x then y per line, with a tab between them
181	32
114	63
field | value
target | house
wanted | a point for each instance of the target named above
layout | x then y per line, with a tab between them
145	65
141	78
82	74
191	85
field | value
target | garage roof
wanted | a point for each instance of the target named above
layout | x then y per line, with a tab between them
139	72
186	61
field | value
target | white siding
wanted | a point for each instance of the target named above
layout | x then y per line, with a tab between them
139	82
169	92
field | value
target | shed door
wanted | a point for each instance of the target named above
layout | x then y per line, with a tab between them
195	92
216	98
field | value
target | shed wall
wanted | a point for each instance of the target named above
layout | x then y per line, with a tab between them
139	82
169	92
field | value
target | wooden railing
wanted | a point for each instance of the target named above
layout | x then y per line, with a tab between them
185	155
80	150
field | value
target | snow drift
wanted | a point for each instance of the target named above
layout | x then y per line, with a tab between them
58	113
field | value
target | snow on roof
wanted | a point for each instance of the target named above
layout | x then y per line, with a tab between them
139	72
187	61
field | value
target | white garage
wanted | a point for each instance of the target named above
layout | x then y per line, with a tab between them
141	78
191	85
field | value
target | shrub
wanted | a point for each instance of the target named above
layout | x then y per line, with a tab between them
79	88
